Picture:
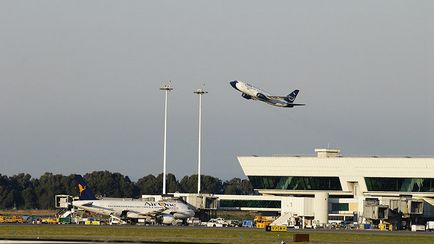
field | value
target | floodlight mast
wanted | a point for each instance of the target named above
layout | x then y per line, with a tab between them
199	92
166	88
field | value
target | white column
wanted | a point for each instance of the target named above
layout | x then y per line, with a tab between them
200	92
165	88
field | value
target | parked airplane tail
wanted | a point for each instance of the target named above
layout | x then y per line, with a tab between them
85	192
291	97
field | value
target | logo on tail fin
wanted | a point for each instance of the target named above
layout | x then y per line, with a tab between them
84	192
81	188
291	97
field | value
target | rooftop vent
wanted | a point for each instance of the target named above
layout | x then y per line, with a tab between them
327	153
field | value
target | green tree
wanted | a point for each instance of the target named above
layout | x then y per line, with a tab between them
49	185
5	189
236	186
8	201
12	189
189	184
30	198
22	191
209	184
25	196
172	185
147	185
105	183
247	188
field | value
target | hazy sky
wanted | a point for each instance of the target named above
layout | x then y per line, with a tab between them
79	82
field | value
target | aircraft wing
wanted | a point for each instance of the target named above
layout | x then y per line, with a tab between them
90	204
275	97
283	98
137	214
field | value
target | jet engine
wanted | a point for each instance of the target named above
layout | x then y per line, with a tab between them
261	96
125	215
246	96
181	215
131	215
166	219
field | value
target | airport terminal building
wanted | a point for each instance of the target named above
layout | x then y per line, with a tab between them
333	187
329	188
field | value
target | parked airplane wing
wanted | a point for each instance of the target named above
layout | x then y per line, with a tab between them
136	214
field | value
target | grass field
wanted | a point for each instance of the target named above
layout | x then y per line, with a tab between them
197	235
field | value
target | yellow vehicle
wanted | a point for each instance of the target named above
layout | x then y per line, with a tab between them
92	222
49	221
385	227
11	219
262	222
279	228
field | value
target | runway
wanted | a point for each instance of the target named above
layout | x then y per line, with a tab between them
198	234
42	241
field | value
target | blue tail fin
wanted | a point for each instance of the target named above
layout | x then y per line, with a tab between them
85	192
291	97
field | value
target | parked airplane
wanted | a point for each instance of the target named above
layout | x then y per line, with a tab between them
250	92
131	210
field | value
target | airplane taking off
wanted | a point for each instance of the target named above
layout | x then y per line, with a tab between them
132	210
250	92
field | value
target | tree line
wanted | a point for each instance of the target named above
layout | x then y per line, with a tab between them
24	192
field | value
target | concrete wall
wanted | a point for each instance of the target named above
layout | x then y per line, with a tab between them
320	207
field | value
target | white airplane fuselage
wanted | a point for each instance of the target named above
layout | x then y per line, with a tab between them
250	92
248	89
134	209
131	210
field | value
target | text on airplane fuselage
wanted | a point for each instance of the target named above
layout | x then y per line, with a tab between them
159	204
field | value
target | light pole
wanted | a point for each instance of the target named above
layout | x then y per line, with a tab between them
199	92
166	89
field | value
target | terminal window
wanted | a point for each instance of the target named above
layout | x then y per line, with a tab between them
295	183
249	204
400	184
336	207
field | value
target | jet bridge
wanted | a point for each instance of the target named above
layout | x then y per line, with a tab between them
63	201
373	210
201	201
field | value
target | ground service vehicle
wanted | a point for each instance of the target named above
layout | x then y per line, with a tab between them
429	225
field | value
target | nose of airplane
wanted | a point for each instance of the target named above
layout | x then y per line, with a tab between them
233	84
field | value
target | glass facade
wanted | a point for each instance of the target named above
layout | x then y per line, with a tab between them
400	184
336	207
295	183
249	204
